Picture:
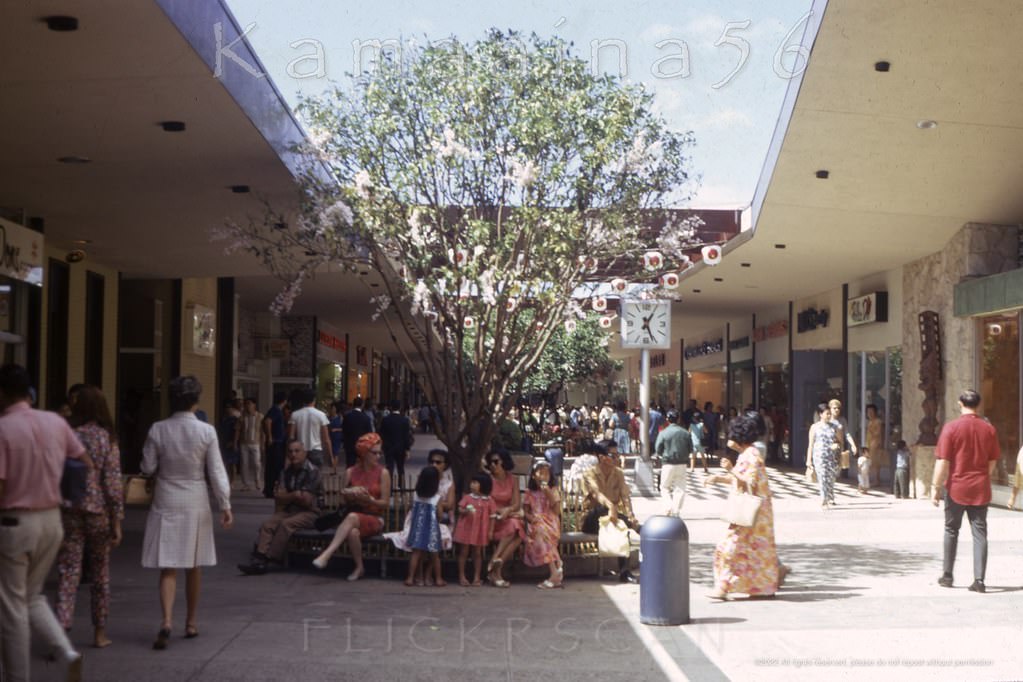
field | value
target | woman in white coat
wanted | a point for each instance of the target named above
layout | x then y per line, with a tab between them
182	453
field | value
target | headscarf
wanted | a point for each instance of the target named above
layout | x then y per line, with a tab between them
365	443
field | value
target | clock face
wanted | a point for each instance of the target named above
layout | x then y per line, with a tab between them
646	324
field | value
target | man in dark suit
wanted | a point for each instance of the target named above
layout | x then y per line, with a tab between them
355	424
396	433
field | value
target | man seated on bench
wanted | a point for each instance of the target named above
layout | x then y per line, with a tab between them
607	494
297	494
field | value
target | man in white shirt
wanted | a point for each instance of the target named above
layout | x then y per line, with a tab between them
310	426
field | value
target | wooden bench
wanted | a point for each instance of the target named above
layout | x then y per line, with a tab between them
310	542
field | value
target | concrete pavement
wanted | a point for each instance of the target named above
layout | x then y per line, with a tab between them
862	600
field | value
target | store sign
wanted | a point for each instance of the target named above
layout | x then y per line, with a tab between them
771	331
866	309
658	360
21	253
811	319
705	348
736	344
330	341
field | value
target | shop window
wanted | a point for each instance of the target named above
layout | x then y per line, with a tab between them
999	345
94	292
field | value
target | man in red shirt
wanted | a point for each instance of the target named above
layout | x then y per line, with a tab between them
965	457
33	447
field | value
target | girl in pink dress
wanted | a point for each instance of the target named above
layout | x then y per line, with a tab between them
542	504
474	527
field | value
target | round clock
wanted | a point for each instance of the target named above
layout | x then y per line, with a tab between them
646	324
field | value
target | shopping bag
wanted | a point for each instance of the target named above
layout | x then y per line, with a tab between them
138	490
811	474
741	509
843	460
613	538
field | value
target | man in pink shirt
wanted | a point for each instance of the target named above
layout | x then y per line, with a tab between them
965	457
33	448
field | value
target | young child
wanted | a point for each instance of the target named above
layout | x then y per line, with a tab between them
424	532
542	505
902	457
474	526
863	470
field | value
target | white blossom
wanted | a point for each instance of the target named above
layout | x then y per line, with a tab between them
420	300
521	173
417	228
486	287
339	213
364	184
284	300
451	147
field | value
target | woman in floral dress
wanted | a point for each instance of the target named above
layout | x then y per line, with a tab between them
746	560
542	505
825	438
95	520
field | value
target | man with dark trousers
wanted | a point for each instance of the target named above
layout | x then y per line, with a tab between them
396	433
965	458
355	424
275	432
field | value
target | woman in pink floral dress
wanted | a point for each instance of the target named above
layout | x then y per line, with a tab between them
746	560
542	504
96	519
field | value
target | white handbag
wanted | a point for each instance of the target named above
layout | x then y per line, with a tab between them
613	538
741	509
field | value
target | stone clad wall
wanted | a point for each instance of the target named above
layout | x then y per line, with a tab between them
975	251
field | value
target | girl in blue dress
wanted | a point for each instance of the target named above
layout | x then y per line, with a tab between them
424	526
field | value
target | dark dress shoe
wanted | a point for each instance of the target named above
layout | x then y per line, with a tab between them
628	577
945	580
253	568
978	586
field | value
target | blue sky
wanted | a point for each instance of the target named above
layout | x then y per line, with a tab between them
732	112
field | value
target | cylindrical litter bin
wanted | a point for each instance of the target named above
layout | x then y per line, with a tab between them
664	574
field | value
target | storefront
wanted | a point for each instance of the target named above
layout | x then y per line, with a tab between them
21	276
331	352
741	373
771	357
873	318
705	368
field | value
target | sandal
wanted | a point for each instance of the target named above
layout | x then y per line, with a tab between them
548	585
718	595
477	583
464	582
162	638
500	582
191	632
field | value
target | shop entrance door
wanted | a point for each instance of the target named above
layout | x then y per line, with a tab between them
816	378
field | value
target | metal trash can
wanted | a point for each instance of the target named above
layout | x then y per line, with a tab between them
664	574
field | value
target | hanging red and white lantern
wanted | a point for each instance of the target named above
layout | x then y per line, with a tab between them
461	256
606	321
669	280
588	263
653	260
619	285
711	254
599	303
469	322
511	304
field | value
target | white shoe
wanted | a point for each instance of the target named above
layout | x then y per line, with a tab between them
320	563
354	575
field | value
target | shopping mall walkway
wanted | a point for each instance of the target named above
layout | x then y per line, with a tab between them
862	601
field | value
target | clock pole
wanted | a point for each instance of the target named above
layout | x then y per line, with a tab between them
644	401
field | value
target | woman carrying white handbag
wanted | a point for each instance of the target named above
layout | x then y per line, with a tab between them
746	560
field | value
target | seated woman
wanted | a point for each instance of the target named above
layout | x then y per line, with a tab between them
367	492
509	530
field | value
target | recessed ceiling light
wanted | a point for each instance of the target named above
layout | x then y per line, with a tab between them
883	67
745	265
779	246
240	189
74	158
822	174
82	242
696	291
61	23
926	124
172	126
719	279
374	284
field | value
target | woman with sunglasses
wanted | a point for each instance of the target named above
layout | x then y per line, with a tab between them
367	490
508	528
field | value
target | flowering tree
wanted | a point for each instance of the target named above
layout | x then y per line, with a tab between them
496	186
578	357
